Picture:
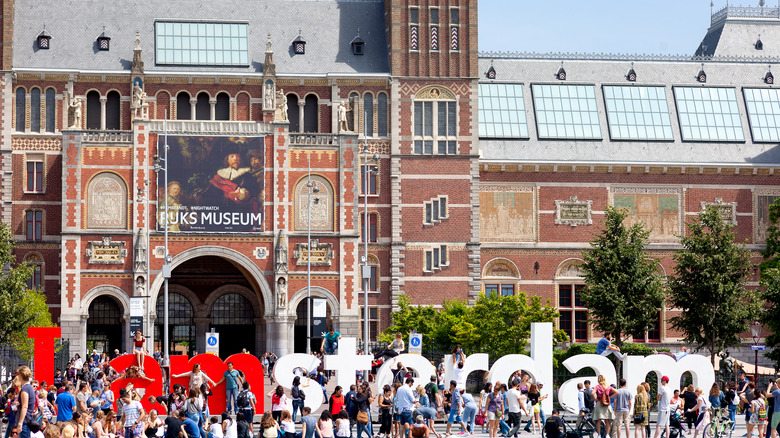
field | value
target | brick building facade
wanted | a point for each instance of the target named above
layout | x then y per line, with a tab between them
484	173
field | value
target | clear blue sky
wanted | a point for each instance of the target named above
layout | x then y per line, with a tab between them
649	26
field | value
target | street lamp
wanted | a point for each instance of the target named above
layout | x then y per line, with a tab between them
166	269
755	330
366	268
312	188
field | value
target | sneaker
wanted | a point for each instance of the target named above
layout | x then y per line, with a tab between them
527	429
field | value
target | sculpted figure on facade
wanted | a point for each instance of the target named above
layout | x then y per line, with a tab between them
343	125
74	104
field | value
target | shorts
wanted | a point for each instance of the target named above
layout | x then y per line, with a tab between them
138	348
406	418
775	420
454	417
663	419
622	418
491	416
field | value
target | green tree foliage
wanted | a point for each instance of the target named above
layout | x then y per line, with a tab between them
772	251
34	303
708	286
15	315
624	291
770	282
495	324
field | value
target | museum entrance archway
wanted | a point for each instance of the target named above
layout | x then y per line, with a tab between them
105	328
212	292
301	327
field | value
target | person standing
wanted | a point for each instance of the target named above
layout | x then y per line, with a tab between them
663	408
456	403
405	404
197	377
469	412
133	417
66	402
603	412
622	409
248	399
233	382
757	414
775	420
641	411
26	410
308	422
515	401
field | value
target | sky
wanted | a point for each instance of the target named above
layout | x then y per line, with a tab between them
650	26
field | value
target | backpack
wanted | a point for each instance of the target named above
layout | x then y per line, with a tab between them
589	402
762	414
243	399
604	398
297	393
431	396
729	397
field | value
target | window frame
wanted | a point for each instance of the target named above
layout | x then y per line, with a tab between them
540	100
373	227
435	137
373	181
573	311
436	258
38	175
436	210
33	225
618	117
199	32
36	280
373	318
684	115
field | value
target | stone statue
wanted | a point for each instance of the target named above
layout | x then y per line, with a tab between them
343	125
139	258
268	96
281	107
281	292
139	105
75	104
140	290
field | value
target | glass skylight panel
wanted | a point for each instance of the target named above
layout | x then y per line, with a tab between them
201	43
566	111
502	111
763	109
708	114
637	113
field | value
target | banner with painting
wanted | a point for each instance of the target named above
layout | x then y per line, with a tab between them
507	214
657	209
215	184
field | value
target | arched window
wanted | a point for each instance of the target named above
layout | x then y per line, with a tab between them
222	109
113	110
183	109
21	104
232	309
293	110
105	330
51	110
35	110
435	122
500	277
381	114
354	108
36	280
321	205
203	107
373	280
107	202
93	110
104	311
368	107
311	114
181	324
573	313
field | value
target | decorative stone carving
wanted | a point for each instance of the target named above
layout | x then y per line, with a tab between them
280	255
321	253
280	115
500	268
74	104
727	210
140	106
434	93
269	93
106	202
140	253
573	212
140	286
507	214
343	123
106	252
281	292
321	205
570	269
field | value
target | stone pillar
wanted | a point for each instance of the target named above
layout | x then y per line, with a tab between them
126	341
279	336
201	328
193	105
260	341
213	108
103	100
301	104
349	325
74	330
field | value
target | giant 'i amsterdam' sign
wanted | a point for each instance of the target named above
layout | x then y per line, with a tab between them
346	363
215	184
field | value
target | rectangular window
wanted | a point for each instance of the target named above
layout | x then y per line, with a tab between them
566	111
414	15
578	289
574	316
708	114
454	16
372	230
491	289
434	16
435	209
428	213
373	321
565	323
442	208
34	282
436	258
435	124
507	290
201	43
564	295
372	173
763	110
654	334
373	280
436	263
428	261
443	255
34	225
637	113
581	326
34	176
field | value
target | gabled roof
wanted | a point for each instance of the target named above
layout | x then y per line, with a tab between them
329	25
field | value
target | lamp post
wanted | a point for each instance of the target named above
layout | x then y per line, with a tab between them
311	189
755	330
366	268
166	268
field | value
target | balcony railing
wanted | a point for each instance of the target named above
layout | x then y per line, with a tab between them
107	136
216	127
313	139
744	12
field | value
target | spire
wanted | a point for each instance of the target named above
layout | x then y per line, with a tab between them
269	68
137	67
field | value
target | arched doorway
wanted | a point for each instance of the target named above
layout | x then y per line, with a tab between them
105	329
232	316
300	332
181	324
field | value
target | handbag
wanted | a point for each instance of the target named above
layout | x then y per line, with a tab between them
362	417
639	418
479	420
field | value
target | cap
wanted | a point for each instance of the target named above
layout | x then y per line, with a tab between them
664	379
539	383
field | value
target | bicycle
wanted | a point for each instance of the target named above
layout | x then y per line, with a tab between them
720	425
584	426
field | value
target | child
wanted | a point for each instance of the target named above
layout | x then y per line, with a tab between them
215	429
288	426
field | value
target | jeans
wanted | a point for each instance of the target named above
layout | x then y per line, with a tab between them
515	421
469	414
364	426
25	432
230	401
617	354
733	415
330	347
503	426
297	405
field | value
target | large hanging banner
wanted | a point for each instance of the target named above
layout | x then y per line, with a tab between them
215	184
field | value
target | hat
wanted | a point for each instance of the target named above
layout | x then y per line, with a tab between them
664	379
539	383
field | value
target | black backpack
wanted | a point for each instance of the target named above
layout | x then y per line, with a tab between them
243	399
589	402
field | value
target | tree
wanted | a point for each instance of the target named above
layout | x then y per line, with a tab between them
770	282
624	291
34	303
708	286
14	317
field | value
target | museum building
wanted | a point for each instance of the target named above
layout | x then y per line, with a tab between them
468	172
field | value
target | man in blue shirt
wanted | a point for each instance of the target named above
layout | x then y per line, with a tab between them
65	404
188	426
405	402
775	420
605	347
233	382
330	341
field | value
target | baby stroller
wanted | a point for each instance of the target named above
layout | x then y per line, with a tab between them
676	428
